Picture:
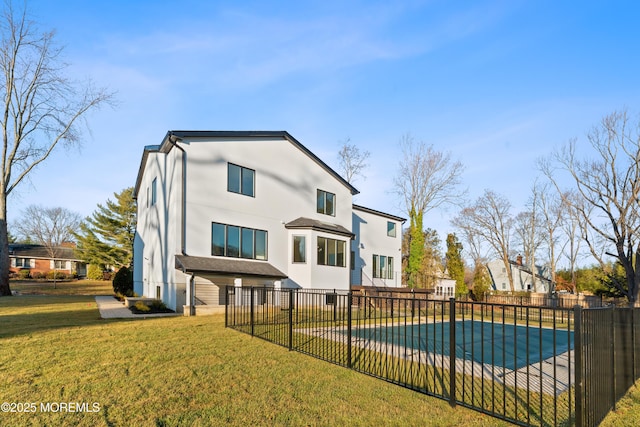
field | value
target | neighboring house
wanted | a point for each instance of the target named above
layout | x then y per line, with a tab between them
522	277
37	259
218	209
376	248
444	289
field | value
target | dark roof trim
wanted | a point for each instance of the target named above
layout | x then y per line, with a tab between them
308	223
145	153
172	135
227	267
379	213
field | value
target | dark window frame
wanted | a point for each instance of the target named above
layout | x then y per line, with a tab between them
257	249
302	256
242	170
321	202
324	250
391	232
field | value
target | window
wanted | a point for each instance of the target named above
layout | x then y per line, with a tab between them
391	229
240	180
238	242
154	191
331	299
326	203
382	267
23	262
299	249
331	252
60	265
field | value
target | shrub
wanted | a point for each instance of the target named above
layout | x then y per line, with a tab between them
158	305
39	275
56	275
141	306
24	274
94	272
123	282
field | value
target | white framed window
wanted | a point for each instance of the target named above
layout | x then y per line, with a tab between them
23	262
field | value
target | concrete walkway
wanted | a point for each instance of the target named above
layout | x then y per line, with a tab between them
111	308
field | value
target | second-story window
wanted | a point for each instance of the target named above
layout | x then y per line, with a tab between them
241	180
154	191
391	229
326	203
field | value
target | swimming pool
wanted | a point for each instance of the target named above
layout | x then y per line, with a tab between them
506	345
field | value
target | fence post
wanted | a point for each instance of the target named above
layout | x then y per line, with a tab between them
612	357
251	310
226	307
349	319
452	352
577	333
290	319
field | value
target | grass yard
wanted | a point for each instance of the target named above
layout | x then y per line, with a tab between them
190	371
78	287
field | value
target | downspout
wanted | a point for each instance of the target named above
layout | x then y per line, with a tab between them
174	141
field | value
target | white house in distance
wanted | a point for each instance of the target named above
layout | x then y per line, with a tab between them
250	208
522	277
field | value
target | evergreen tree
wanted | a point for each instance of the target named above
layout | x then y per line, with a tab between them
426	245
106	237
481	281
454	262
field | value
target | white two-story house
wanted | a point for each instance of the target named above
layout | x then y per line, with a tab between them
218	209
523	278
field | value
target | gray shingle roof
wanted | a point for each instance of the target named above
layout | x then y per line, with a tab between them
314	224
39	251
227	266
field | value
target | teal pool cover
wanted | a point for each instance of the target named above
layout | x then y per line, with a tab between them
509	346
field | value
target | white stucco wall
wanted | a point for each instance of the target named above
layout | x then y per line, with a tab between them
286	184
372	239
158	229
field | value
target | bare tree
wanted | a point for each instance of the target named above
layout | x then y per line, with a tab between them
608	185
427	179
49	227
489	218
40	108
352	161
571	228
527	227
553	214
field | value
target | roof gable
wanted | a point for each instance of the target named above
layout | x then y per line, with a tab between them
176	135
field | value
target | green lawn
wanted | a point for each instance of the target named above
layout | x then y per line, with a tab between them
190	371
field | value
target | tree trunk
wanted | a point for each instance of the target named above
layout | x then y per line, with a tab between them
5	290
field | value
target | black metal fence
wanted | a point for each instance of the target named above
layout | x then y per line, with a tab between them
517	363
609	360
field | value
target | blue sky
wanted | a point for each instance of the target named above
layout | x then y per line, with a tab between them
497	83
